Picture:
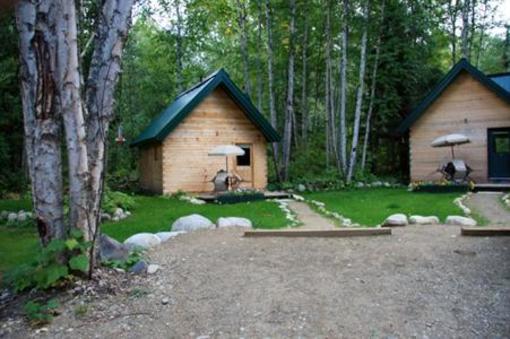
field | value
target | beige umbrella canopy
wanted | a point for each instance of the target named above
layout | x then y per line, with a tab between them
226	151
450	140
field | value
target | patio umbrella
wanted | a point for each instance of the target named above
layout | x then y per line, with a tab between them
450	140
226	151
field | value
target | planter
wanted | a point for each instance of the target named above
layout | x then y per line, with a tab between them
233	198
442	188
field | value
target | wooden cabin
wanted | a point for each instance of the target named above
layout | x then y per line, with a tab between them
468	102
174	148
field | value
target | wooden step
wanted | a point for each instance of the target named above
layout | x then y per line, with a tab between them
340	232
486	231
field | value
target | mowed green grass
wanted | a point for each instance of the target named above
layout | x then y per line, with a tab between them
370	206
156	214
151	214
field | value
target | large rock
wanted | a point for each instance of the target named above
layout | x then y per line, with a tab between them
164	236
12	217
460	221
234	221
398	219
111	249
139	268
142	241
22	216
420	220
191	223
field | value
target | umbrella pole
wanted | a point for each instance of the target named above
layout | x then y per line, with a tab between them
228	176
453	153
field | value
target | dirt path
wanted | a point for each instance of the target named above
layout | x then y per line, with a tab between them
310	218
489	205
423	282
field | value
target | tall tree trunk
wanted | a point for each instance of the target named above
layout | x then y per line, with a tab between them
368	119
289	105
259	56
453	10
342	137
270	71
241	19
359	94
113	26
506	50
465	29
305	117
178	47
327	86
41	116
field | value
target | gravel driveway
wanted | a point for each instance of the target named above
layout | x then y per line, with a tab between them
424	282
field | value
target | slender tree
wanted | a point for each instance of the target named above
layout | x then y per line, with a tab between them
359	93
342	130
289	104
178	47
242	15
305	117
465	29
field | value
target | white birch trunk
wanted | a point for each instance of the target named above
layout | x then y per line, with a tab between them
342	137
289	104
178	47
241	19
305	117
41	117
465	29
359	96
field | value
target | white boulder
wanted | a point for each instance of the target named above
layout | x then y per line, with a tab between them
142	240
234	221
22	216
191	223
398	219
460	221
4	214
152	268
421	220
12	217
164	236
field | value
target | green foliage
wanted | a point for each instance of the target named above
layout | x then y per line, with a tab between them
239	196
41	313
133	258
55	264
115	199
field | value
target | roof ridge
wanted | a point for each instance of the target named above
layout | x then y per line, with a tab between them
206	79
501	74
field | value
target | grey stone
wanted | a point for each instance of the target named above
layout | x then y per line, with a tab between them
22	216
119	213
397	219
192	222
105	217
12	217
139	268
460	221
234	221
164	236
111	249
4	214
142	240
301	188
420	220
152	268
165	301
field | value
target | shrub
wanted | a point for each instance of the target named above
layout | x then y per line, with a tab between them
40	313
114	199
239	196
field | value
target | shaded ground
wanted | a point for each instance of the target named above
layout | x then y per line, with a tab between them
422	281
489	205
310	218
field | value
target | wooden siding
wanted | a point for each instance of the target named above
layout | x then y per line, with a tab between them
217	120
465	107
150	166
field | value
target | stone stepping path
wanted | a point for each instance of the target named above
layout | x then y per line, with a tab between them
310	219
490	206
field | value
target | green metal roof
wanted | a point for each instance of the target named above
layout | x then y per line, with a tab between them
462	66
164	123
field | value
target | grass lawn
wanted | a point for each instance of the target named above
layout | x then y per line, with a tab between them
370	206
151	214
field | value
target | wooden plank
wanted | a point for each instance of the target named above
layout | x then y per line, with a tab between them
485	231
340	232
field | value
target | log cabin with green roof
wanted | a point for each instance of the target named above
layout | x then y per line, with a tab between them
174	147
467	102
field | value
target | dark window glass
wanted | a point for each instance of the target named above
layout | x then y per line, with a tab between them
244	160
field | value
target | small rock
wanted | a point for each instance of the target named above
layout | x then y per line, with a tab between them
142	240
139	268
234	221
420	220
22	216
398	219
301	188
12	217
192	222
165	301
152	268
115	218
118	213
111	249
359	184
4	214
460	221
105	217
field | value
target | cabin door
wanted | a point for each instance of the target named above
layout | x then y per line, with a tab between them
244	165
499	153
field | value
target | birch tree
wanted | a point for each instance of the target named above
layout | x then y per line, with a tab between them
305	117
342	130
359	94
52	93
289	103
242	14
178	46
465	29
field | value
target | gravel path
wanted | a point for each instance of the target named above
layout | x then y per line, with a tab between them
423	282
489	205
310	218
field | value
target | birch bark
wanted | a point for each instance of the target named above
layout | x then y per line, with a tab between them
342	137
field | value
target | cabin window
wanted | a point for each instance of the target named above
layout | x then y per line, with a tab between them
244	160
501	142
